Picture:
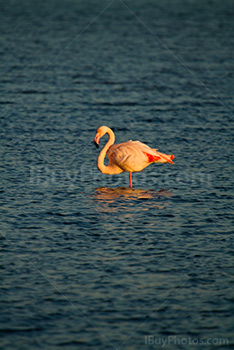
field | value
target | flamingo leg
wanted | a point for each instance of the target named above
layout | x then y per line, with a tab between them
130	179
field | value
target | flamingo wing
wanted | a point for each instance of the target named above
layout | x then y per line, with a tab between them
129	156
134	156
152	153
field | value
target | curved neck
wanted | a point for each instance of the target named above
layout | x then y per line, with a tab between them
100	161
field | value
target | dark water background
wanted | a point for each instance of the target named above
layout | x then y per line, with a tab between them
87	263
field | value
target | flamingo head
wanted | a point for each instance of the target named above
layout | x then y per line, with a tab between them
100	132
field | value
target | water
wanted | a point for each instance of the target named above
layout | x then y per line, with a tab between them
86	262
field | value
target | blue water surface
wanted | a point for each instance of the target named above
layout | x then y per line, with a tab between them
86	262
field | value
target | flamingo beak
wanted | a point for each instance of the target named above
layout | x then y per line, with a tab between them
96	140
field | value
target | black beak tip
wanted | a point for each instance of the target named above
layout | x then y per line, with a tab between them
96	144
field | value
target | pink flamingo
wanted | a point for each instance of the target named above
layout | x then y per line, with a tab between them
131	156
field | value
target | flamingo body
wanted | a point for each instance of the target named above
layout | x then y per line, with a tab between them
131	156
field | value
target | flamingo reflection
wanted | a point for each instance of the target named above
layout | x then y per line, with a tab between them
126	198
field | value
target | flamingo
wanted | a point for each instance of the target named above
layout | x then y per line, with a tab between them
131	156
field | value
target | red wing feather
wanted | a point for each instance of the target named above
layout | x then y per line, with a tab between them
151	157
